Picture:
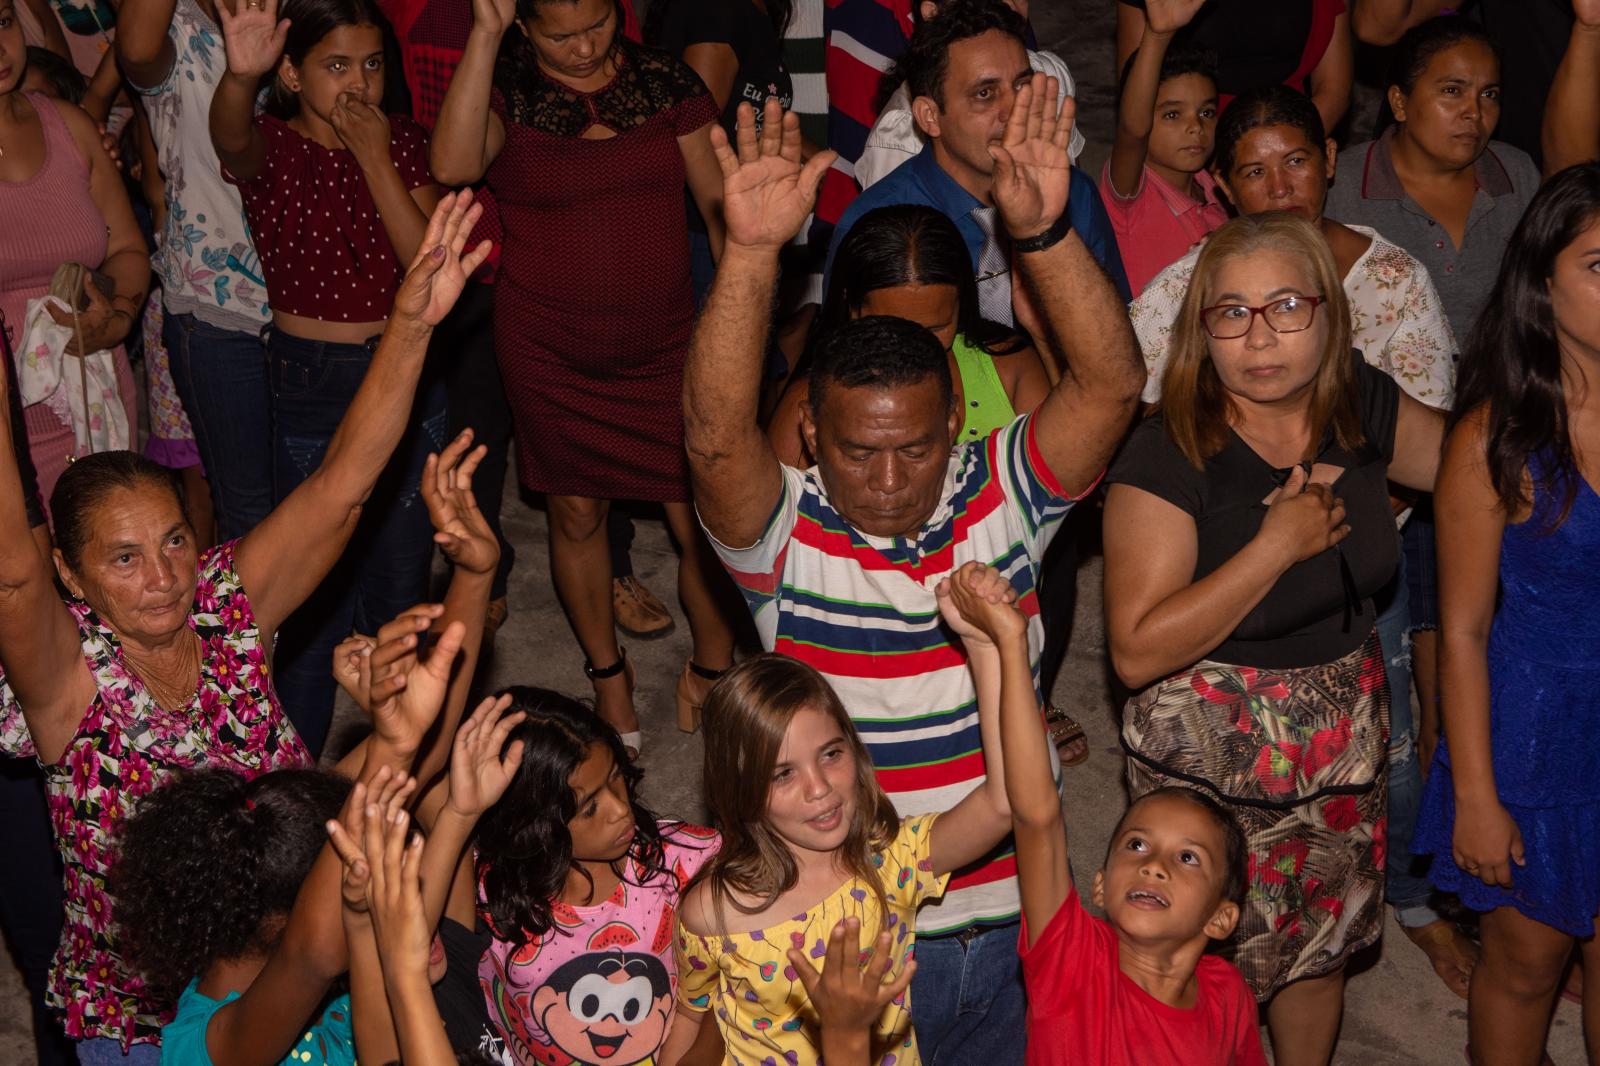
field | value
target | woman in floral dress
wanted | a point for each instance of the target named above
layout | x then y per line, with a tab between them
158	661
1247	529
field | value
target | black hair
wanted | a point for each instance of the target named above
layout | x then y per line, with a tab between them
65	80
309	22
1427	39
905	244
210	864
880	352
1270	105
1182	57
926	60
524	850
779	13
1235	846
1511	362
86	483
632	963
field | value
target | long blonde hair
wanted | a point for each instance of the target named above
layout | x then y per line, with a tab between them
1196	407
747	715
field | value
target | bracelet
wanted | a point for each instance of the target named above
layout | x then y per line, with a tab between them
1048	239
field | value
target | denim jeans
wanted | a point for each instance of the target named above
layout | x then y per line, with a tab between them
104	1051
221	377
31	908
386	566
967	1002
477	400
1407	888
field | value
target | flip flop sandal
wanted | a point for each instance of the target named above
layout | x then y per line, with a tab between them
1065	731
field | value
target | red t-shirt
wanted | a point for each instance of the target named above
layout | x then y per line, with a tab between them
1083	1011
323	248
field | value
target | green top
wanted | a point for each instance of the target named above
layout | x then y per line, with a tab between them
985	405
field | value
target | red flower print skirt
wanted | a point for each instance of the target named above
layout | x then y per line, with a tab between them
1300	757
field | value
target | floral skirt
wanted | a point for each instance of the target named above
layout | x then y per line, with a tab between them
1300	757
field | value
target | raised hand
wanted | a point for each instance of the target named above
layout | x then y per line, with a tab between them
461	531
394	895
987	602
387	794
766	191
849	997
966	596
479	772
363	128
493	16
409	686
1032	173
253	36
1169	16
440	270
352	669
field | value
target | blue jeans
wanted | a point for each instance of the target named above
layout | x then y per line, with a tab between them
1407	888
221	377
967	1002
386	566
104	1051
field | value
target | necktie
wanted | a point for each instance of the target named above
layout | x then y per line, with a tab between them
994	270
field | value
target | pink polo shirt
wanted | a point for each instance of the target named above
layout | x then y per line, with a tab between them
1158	224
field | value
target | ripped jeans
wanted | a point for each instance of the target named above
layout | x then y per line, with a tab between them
1406	887
386	566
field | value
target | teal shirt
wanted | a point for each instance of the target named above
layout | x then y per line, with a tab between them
329	1042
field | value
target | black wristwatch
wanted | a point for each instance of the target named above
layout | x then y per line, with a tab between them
1050	237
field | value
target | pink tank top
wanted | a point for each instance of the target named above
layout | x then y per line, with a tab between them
47	220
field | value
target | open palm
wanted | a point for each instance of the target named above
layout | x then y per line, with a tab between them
253	38
766	191
440	271
1032	171
1168	16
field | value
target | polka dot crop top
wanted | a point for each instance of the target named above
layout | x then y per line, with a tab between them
323	247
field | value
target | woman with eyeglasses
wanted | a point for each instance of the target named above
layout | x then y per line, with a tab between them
1247	529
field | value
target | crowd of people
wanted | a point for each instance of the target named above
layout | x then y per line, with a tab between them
1323	406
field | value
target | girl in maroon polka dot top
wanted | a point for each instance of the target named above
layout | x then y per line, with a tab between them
337	195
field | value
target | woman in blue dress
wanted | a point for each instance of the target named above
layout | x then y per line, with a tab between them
1512	811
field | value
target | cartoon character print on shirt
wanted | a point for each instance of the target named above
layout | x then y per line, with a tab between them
611	1008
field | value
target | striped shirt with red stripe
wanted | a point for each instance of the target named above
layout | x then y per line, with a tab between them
861	609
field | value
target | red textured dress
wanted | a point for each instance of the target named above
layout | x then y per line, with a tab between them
593	306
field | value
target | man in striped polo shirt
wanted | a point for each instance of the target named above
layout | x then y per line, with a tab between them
839	563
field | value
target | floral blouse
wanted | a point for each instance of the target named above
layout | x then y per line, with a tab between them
760	1004
1396	320
125	746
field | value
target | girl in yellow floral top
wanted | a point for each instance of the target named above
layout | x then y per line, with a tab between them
809	839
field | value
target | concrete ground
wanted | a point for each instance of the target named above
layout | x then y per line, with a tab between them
1397	1012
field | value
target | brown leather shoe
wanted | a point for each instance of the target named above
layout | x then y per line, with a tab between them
637	611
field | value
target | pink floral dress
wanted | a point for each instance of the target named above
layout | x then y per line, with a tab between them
125	747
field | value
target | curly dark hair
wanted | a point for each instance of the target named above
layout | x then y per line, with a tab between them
210	866
523	846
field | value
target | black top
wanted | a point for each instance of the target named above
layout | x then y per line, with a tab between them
1257	42
1320	609
648	82
458	994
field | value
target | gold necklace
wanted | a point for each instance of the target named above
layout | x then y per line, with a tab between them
173	697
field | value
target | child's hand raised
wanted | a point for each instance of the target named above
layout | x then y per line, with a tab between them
978	603
479	773
848	996
394	896
352	669
462	533
253	36
408	687
387	795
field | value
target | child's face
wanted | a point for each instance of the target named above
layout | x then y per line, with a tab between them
1164	874
811	802
348	60
603	827
1185	123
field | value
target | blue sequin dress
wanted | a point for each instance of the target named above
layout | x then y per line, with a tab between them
1544	691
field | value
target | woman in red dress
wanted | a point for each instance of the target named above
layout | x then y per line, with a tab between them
587	139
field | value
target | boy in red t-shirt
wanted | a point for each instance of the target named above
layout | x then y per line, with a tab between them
1137	988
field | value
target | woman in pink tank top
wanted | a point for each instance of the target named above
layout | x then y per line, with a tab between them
61	200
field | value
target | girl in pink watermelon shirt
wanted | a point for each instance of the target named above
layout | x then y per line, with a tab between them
580	883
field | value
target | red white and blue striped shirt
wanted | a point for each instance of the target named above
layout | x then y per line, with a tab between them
861	609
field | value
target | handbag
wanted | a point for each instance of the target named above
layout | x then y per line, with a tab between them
70	285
